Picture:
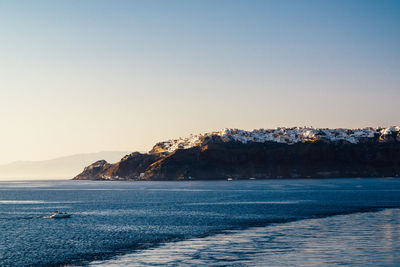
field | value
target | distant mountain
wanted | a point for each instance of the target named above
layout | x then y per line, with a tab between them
63	167
276	153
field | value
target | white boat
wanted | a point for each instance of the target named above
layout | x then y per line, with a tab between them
59	215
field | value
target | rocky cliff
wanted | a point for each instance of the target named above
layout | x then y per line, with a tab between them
277	153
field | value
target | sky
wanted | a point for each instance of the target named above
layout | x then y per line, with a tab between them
87	76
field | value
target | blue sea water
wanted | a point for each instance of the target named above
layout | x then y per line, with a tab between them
309	222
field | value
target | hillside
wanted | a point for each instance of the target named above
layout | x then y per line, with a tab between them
63	167
276	153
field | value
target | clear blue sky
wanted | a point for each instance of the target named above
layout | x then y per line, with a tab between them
85	76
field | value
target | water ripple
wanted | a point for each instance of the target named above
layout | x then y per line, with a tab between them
362	239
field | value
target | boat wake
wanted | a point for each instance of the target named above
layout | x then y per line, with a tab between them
352	239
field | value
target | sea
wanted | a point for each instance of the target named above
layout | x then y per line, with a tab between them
281	222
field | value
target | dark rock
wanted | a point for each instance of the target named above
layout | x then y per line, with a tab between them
215	159
94	171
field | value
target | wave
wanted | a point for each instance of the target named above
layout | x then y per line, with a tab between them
16	202
246	202
34	202
361	238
